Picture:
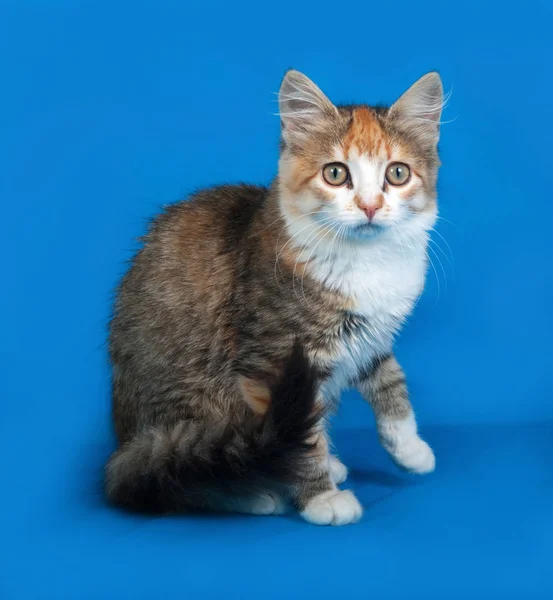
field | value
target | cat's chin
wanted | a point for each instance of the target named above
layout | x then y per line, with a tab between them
366	231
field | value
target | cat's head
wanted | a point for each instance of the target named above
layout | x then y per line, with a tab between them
358	170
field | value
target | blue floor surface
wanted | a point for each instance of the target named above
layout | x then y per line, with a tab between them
481	526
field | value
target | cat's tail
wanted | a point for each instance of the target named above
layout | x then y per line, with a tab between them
194	465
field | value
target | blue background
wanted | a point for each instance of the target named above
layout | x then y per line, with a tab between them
111	109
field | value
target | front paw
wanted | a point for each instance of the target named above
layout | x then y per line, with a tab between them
400	438
333	508
415	456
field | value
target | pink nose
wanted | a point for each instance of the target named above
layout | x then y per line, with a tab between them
370	211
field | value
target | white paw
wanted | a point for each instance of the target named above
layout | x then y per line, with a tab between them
267	504
401	440
333	508
415	455
338	470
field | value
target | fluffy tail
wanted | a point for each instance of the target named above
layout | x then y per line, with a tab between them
190	465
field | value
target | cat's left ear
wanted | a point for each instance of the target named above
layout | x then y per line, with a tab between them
419	109
303	107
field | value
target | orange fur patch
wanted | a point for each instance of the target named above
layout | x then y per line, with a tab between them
303	172
365	135
256	395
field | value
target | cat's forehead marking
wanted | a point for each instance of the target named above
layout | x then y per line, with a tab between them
365	135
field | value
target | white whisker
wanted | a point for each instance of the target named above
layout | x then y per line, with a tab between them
293	238
307	262
281	218
441	265
444	240
436	275
440	218
444	253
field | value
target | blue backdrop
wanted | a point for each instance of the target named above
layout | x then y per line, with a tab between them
111	109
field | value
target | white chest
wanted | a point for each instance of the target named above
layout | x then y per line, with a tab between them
383	283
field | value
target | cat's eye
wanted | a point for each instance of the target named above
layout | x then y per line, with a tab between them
398	174
336	174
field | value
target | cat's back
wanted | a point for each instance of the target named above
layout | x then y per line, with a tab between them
214	219
190	255
193	233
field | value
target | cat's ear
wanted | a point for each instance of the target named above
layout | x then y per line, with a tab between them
302	106
419	109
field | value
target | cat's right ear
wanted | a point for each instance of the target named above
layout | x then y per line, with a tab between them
302	106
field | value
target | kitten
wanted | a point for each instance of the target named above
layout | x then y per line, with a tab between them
249	309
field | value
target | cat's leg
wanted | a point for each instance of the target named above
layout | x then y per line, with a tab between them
317	498
384	388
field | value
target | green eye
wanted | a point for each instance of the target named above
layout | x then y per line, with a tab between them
336	174
398	174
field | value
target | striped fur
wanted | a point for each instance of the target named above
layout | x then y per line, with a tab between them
213	464
385	388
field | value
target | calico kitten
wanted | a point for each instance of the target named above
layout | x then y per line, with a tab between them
249	309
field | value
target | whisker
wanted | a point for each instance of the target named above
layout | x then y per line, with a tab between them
283	218
445	241
396	236
437	278
307	242
292	238
444	253
441	266
420	295
307	262
326	257
440	218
